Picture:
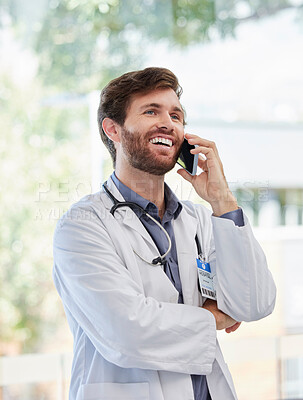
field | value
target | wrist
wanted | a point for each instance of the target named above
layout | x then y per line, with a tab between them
225	205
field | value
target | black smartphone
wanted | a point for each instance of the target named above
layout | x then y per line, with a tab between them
187	160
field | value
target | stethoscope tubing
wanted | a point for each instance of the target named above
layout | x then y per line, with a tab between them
119	204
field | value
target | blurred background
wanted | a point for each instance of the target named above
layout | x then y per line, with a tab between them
240	63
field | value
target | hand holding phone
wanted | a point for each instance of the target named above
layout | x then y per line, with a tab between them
210	184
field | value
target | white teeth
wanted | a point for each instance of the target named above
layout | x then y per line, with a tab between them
162	140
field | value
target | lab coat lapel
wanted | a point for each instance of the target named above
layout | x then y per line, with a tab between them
126	215
185	229
155	282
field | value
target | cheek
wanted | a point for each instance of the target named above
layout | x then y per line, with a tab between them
180	132
140	126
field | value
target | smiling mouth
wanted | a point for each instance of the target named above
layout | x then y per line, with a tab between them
161	141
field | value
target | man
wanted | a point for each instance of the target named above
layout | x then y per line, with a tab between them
142	329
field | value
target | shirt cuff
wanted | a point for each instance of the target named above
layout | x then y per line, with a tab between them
236	216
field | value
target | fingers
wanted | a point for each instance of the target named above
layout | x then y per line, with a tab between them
204	142
233	328
186	175
205	146
202	163
207	151
223	321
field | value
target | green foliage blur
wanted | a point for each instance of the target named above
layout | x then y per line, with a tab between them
83	44
50	51
44	157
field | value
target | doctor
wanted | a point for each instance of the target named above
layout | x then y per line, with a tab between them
142	330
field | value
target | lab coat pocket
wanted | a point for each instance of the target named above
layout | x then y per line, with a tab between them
115	391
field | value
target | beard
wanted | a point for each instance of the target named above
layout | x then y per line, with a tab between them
139	155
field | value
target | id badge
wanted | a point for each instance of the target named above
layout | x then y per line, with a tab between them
206	279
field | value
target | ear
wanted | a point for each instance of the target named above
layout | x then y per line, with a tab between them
111	129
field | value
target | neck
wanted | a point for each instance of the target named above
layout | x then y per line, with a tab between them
149	186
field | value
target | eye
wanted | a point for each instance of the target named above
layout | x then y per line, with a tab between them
176	117
149	112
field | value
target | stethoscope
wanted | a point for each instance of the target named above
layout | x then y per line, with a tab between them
118	204
160	260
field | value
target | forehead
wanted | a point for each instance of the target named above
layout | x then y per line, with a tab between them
166	98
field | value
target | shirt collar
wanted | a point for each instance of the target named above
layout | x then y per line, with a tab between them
173	205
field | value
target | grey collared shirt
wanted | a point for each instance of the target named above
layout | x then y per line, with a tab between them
173	208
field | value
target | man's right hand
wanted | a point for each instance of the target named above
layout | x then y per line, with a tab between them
223	321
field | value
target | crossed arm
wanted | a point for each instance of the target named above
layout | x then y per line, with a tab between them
223	321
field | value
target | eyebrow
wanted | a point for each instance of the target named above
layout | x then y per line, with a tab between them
157	105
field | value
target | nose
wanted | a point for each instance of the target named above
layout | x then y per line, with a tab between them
165	122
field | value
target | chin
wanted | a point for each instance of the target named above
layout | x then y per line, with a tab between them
157	169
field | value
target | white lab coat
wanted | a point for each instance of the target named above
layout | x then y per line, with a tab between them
132	340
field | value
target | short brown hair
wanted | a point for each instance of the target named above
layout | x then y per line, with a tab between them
117	94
